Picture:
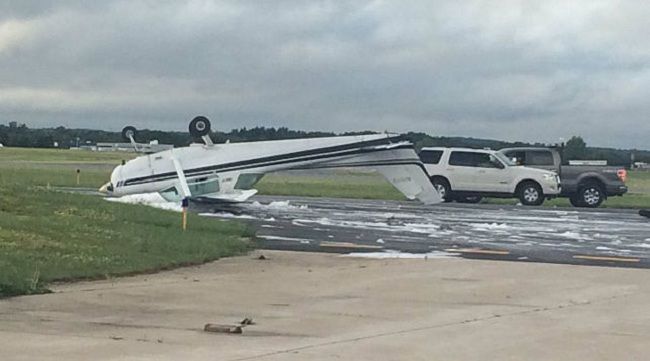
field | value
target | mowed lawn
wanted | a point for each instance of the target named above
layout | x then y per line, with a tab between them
48	235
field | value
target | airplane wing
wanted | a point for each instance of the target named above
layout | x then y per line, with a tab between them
397	162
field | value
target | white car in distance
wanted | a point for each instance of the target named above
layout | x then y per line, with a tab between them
467	175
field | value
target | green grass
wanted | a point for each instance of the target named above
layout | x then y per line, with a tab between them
48	236
339	184
61	155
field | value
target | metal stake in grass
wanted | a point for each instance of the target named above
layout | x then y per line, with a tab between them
185	204
78	175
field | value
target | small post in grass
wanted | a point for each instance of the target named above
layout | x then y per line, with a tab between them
78	175
185	204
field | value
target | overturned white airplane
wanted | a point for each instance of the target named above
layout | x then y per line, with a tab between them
227	172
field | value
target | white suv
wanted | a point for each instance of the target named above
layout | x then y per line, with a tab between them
466	175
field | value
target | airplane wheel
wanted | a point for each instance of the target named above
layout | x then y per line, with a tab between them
199	126
128	133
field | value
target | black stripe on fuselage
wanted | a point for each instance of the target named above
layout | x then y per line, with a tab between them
368	164
224	168
269	161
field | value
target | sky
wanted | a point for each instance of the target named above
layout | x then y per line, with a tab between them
537	71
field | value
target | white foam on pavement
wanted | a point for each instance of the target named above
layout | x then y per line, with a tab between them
148	199
291	239
278	205
227	215
490	226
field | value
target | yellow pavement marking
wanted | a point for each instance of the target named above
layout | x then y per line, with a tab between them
477	250
348	245
615	259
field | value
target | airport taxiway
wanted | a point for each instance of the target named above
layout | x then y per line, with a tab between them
515	233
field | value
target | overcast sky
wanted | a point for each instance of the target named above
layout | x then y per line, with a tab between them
515	70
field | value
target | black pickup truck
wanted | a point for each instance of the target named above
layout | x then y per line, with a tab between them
584	185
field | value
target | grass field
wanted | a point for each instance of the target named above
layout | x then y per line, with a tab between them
48	236
339	184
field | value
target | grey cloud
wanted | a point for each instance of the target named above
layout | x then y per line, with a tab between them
534	71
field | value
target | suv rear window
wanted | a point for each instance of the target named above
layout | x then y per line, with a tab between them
471	159
431	156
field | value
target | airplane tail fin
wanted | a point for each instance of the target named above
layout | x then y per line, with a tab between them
398	163
412	181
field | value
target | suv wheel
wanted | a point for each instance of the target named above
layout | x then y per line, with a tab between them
443	188
591	195
531	194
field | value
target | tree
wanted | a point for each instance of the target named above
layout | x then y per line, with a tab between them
575	148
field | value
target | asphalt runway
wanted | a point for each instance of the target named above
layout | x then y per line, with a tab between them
601	237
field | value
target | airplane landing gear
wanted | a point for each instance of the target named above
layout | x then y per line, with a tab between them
200	127
129	133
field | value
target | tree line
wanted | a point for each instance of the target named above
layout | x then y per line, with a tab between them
15	135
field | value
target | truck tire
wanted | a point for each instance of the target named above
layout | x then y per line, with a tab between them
575	201
591	195
442	186
531	194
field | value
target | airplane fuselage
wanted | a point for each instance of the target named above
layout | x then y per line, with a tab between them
233	167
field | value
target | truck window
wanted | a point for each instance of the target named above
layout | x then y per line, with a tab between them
519	157
431	156
539	157
471	159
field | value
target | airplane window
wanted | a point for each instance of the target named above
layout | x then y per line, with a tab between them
247	180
